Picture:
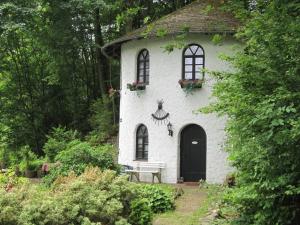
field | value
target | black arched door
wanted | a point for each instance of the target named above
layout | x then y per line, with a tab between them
193	153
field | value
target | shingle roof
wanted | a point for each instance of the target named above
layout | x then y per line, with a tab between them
201	16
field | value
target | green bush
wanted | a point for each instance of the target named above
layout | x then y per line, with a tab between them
9	180
58	141
94	197
261	100
140	212
161	199
78	155
30	160
101	122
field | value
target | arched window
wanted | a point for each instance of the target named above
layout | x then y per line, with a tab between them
143	67
193	62
142	143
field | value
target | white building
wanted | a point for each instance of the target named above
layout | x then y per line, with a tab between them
195	150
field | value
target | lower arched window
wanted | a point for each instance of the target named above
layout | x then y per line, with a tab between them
142	143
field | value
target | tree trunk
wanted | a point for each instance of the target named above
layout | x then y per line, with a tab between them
101	61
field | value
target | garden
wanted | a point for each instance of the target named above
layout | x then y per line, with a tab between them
58	126
82	185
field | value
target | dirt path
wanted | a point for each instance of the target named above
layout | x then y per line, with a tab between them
188	208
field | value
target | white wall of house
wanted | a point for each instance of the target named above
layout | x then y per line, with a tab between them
136	109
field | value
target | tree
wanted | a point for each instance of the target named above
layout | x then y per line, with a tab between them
262	100
52	68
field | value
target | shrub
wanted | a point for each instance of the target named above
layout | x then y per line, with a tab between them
94	197
140	212
58	141
9	180
78	155
261	100
30	161
102	121
160	199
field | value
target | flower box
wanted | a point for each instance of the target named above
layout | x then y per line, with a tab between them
136	86
191	84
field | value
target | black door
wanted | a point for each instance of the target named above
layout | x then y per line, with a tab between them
193	153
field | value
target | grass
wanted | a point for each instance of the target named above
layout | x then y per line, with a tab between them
194	205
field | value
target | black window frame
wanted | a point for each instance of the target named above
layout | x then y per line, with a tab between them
146	76
193	57
145	142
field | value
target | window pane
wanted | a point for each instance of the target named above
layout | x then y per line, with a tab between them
144	53
140	141
198	75
147	57
141	57
188	76
199	51
141	79
147	72
139	155
147	64
188	68
188	61
198	68
141	71
199	60
188	52
194	48
141	66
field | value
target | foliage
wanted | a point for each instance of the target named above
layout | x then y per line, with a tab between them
261	100
101	121
30	160
179	41
140	212
57	141
189	86
52	68
160	199
217	39
9	180
78	155
94	197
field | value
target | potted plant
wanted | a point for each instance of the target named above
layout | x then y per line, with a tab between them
191	84
30	163
136	86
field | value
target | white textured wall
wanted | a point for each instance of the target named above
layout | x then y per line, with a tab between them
165	71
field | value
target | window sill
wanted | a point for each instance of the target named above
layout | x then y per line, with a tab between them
191	84
137	86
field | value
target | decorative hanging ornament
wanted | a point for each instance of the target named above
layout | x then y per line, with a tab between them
160	116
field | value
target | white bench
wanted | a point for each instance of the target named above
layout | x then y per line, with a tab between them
147	167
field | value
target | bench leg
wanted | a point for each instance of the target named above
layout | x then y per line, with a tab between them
137	176
158	175
130	177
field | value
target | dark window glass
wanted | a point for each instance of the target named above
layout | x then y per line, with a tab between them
143	66
193	62
142	143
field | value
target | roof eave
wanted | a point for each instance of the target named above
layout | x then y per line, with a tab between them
113	49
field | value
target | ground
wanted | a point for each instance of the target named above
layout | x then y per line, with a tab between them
195	206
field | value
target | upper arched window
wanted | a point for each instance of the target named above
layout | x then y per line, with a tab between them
142	143
143	66
193	62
